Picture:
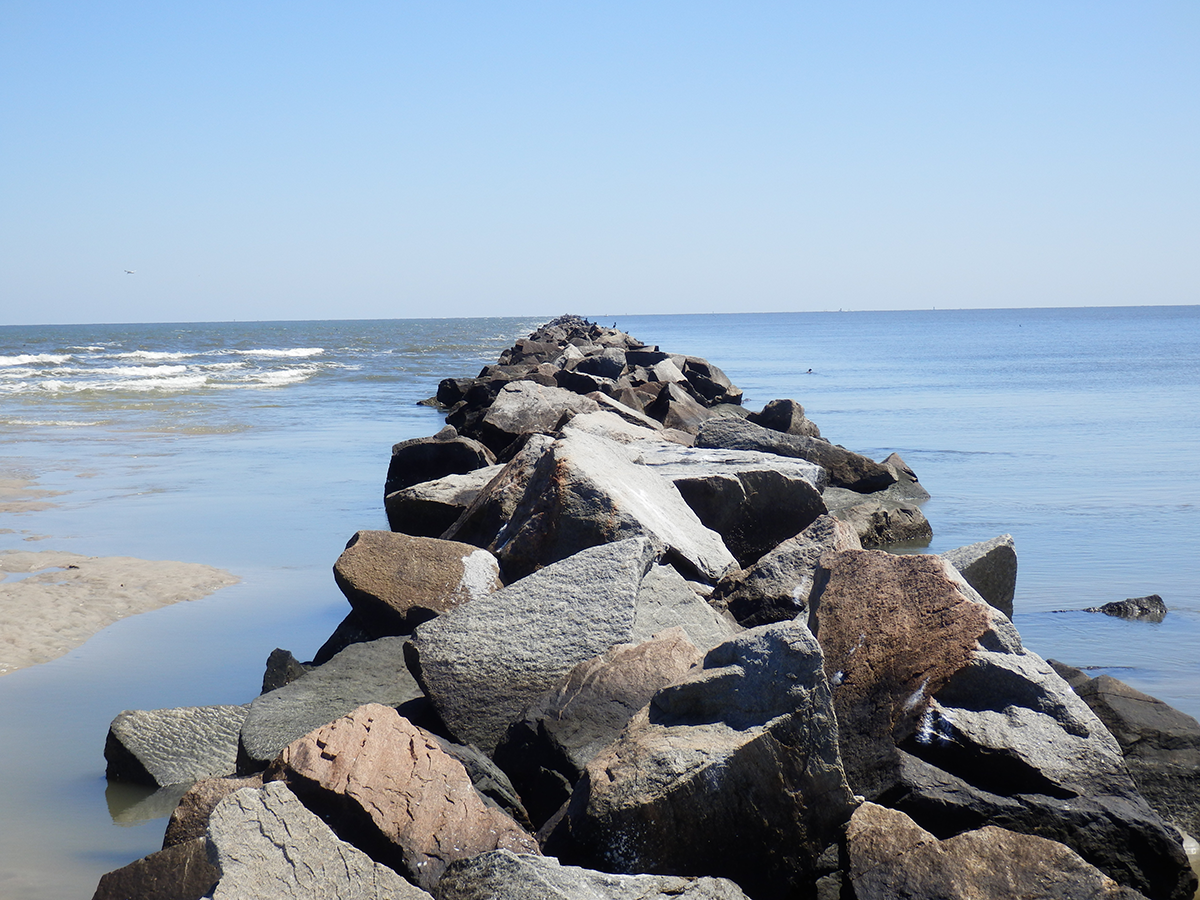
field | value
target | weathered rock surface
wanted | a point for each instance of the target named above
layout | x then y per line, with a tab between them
894	629
481	663
502	874
991	568
398	581
880	524
282	668
665	600
739	757
372	672
1142	609
585	491
482	520
1008	743
427	458
522	407
267	845
182	872
777	587
429	508
891	856
171	746
845	469
752	500
786	416
388	787
189	820
560	732
1161	746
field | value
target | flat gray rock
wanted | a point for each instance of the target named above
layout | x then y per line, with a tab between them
991	568
665	600
172	746
502	874
586	491
480	664
429	508
523	407
267	845
371	672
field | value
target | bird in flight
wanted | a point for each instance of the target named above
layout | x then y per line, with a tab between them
129	272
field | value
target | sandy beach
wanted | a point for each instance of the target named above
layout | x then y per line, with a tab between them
52	601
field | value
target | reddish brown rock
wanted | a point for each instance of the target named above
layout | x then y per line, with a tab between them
397	581
893	630
190	818
387	787
891	856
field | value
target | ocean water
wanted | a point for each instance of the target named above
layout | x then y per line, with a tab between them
262	447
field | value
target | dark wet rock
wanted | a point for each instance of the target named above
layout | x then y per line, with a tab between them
282	668
991	568
777	587
846	469
397	581
786	416
524	407
891	856
1161	745
372	672
182	872
586	491
482	663
495	504
354	629
501	873
752	500
1007	742
429	508
493	785
560	732
1141	609
387	787
740	757
894	629
427	458
267	845
171	746
189	820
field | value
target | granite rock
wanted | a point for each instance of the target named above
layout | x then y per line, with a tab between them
172	746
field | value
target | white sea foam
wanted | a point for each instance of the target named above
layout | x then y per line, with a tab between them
294	352
153	354
32	358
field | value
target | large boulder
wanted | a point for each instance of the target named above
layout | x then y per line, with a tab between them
786	416
777	587
161	747
891	856
181	872
189	819
733	771
846	469
894	629
523	407
879	524
265	844
586	491
482	663
371	672
496	502
676	407
387	787
429	508
503	874
1006	742
752	500
397	581
991	568
426	458
559	733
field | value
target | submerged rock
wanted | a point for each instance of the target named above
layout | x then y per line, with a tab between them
1142	609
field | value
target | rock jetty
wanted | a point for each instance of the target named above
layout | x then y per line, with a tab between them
628	639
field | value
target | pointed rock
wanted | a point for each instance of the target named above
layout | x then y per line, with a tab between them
991	568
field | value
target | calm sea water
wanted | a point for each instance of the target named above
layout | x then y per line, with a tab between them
261	447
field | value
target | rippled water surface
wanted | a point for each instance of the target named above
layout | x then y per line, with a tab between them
261	447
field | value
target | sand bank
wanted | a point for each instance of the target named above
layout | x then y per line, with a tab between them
52	601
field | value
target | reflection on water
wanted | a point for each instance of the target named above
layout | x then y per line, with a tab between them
136	804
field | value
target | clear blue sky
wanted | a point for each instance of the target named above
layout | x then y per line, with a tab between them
267	160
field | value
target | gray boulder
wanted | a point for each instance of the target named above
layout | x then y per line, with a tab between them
777	587
523	407
786	416
676	408
752	500
585	491
736	764
371	672
991	568
426	458
181	872
879	524
189	819
162	747
666	600
1142	609
429	508
265	844
495	504
521	877
845	469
